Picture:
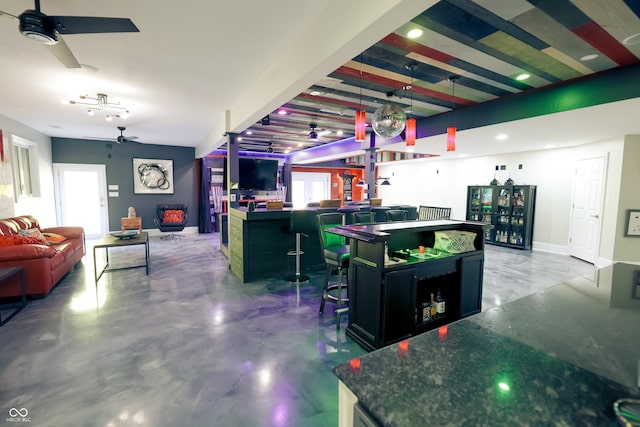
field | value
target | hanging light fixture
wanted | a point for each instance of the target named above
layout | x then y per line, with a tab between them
100	103
410	125
361	115
451	131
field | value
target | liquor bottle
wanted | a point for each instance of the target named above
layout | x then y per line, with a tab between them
426	312
440	306
434	310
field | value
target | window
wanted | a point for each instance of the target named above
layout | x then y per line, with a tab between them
23	155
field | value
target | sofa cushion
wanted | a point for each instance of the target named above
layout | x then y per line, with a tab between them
34	233
173	216
16	239
53	238
9	226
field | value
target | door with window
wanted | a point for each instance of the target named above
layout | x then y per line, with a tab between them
81	197
309	187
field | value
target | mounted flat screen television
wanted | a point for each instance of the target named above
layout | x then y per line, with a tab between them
255	174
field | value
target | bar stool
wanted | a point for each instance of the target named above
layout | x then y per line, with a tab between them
396	215
379	213
336	255
301	222
362	217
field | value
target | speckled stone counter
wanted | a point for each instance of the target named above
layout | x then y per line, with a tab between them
559	357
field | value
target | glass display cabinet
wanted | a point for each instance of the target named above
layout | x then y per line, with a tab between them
509	208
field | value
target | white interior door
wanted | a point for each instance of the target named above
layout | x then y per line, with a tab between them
586	220
309	187
81	197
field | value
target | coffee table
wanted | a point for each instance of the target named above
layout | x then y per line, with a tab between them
110	241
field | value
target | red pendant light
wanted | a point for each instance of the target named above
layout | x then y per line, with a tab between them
451	139
361	123
410	132
361	115
410	124
451	131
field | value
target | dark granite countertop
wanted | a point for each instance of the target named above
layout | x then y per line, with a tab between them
559	357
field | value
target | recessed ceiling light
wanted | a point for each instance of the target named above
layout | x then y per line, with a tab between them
249	132
282	112
634	39
523	76
339	133
415	33
300	144
314	92
589	57
502	136
549	146
239	138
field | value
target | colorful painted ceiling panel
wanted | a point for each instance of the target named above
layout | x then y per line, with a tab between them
482	44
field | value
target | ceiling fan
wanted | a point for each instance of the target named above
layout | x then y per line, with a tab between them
123	139
45	29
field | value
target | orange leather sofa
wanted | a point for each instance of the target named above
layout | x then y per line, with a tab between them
45	264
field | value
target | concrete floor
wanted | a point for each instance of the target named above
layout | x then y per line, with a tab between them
189	345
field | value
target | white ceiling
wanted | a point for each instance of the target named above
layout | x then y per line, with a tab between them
198	69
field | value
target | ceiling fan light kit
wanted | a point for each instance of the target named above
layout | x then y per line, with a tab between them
34	25
46	29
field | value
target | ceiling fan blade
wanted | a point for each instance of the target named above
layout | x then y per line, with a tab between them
89	24
61	51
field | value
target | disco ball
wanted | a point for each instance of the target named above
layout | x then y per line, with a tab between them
388	120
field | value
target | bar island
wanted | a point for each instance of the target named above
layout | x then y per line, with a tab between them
561	357
391	279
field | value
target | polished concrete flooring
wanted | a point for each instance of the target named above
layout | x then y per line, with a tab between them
189	345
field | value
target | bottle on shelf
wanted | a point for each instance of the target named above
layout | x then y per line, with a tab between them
433	307
440	305
426	312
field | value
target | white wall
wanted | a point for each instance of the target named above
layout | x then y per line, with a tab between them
438	182
628	248
43	205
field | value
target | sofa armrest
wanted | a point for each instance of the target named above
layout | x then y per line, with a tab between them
69	232
24	252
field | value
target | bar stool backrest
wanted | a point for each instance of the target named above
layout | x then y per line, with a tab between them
429	213
362	217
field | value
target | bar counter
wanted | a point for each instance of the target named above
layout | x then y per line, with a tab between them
561	356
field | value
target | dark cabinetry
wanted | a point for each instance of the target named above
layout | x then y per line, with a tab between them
509	208
387	295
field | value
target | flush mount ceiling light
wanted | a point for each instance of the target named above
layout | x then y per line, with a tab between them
414	33
100	103
522	76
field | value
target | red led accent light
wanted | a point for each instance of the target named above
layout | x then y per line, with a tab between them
451	139
403	346
361	123
442	332
410	132
355	363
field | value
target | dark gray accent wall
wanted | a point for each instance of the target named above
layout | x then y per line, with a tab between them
118	161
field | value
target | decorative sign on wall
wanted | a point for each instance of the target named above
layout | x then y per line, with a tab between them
152	176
